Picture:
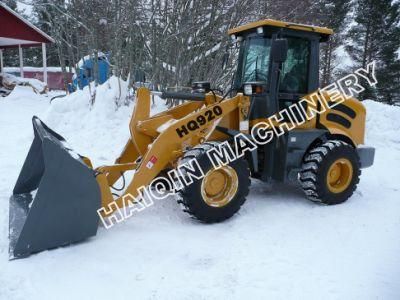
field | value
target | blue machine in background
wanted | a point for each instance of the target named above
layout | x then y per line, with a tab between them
85	73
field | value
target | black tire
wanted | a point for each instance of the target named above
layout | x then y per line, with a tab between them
316	164
190	197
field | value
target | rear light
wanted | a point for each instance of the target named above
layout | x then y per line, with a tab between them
258	89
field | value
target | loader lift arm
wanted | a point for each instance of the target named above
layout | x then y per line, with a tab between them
162	139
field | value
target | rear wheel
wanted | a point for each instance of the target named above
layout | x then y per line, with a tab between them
220	193
330	172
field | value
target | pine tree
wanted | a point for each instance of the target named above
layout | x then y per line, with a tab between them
11	4
375	37
389	74
332	15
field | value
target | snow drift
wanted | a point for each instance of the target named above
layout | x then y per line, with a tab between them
96	120
10	81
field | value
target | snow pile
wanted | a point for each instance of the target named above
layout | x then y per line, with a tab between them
382	132
25	92
10	81
99	130
383	124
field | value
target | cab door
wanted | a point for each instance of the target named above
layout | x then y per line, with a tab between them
294	76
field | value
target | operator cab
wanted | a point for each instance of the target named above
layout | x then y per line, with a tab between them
278	63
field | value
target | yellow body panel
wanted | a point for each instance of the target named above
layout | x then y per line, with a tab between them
356	131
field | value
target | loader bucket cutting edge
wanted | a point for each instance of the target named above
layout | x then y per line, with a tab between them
55	199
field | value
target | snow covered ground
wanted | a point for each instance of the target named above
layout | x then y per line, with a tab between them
280	246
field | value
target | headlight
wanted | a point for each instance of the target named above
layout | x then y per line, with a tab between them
201	87
248	90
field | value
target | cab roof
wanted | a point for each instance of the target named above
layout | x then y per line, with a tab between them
275	23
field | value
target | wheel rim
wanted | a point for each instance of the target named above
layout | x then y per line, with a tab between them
339	175
219	186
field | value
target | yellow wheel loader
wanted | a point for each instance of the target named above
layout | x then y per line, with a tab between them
59	198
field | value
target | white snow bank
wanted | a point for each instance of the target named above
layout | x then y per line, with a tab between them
383	124
98	131
24	92
12	80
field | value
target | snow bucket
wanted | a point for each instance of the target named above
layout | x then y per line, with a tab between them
55	199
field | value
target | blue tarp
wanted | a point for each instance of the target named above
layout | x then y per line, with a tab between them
85	73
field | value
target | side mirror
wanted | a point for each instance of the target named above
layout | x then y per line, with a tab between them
279	50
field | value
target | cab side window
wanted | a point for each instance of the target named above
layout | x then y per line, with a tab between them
294	75
256	61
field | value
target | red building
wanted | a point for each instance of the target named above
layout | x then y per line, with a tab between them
16	32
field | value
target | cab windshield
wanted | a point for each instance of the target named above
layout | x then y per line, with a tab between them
254	65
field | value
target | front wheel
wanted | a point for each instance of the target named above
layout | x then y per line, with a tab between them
330	172
220	193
